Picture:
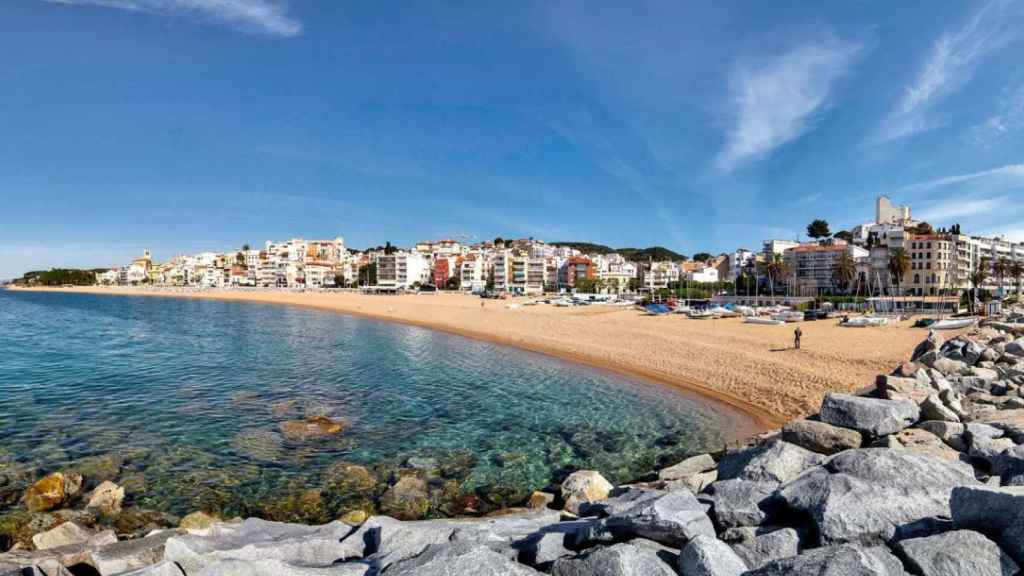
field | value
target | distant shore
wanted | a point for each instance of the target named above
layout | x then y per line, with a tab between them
751	370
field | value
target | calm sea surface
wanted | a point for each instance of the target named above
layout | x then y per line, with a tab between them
181	401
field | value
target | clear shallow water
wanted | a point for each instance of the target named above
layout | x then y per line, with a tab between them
180	400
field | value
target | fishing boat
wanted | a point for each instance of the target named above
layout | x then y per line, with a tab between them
789	316
762	320
700	314
953	323
657	309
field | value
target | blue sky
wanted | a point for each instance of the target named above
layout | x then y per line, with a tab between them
187	125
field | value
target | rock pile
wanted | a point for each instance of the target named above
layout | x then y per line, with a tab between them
923	475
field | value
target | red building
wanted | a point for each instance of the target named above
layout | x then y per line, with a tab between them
442	272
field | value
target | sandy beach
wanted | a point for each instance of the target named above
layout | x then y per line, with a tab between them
751	368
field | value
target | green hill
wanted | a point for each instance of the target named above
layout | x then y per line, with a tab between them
655	253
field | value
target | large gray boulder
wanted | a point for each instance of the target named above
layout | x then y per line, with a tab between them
933	409
870	416
709	556
997	512
672	519
256	539
583	487
1010	463
763	548
688	468
458	559
1015	348
627	559
864	496
773	461
131	554
739	502
845	560
159	569
956	553
820	437
275	567
1009	421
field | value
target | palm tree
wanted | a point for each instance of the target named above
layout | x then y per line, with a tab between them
899	266
1017	272
978	277
845	271
1001	268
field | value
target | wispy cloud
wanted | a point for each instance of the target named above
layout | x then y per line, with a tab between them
1011	174
774	101
950	208
949	66
258	16
1009	118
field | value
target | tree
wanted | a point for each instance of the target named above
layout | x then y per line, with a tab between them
844	235
490	281
818	230
339	279
245	247
702	257
899	266
368	274
1017	273
499	241
778	270
845	271
923	229
1001	268
978	277
389	249
634	285
453	283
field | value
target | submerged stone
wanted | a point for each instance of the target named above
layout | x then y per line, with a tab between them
312	427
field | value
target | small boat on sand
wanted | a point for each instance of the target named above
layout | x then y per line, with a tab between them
700	314
953	323
762	320
864	322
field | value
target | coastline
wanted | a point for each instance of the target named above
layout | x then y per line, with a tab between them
777	386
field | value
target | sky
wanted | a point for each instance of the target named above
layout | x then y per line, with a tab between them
192	125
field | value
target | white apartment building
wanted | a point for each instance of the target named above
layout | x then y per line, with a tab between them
706	274
473	273
739	260
401	269
812	266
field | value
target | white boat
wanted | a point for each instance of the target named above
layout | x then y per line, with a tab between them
763	321
865	322
789	316
953	324
700	314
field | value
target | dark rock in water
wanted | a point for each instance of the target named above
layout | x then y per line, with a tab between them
306	506
820	437
98	469
773	461
406	500
739	502
708	556
764	548
869	415
136	522
959	552
672	519
459	558
311	428
846	560
259	444
626	559
890	488
348	487
54	491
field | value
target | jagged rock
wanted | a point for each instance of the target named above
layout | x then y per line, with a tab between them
106	499
131	554
986	374
407	499
540	499
896	388
845	560
932	408
931	345
1009	421
948	367
69	534
275	567
998	512
626	559
53	491
740	502
708	556
773	461
1015	348
688	468
957	553
198	521
763	548
311	428
863	496
820	437
256	539
584	487
952	401
1010	465
160	569
623	501
869	415
544	548
925	442
672	519
989	449
696	483
949	432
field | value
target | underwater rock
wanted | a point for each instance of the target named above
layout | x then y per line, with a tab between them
53	491
407	499
260	445
311	428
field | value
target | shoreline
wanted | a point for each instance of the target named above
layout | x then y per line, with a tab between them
748	372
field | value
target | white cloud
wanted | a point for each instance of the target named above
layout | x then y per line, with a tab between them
951	208
949	66
773	101
259	16
1009	118
1011	174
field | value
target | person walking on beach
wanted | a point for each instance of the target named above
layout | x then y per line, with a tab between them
797	334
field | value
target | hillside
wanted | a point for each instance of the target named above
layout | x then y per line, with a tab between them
634	254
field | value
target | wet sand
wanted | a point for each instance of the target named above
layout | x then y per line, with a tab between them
752	369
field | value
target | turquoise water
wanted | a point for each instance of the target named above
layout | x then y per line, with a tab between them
180	400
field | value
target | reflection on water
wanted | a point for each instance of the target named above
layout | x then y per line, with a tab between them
182	401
